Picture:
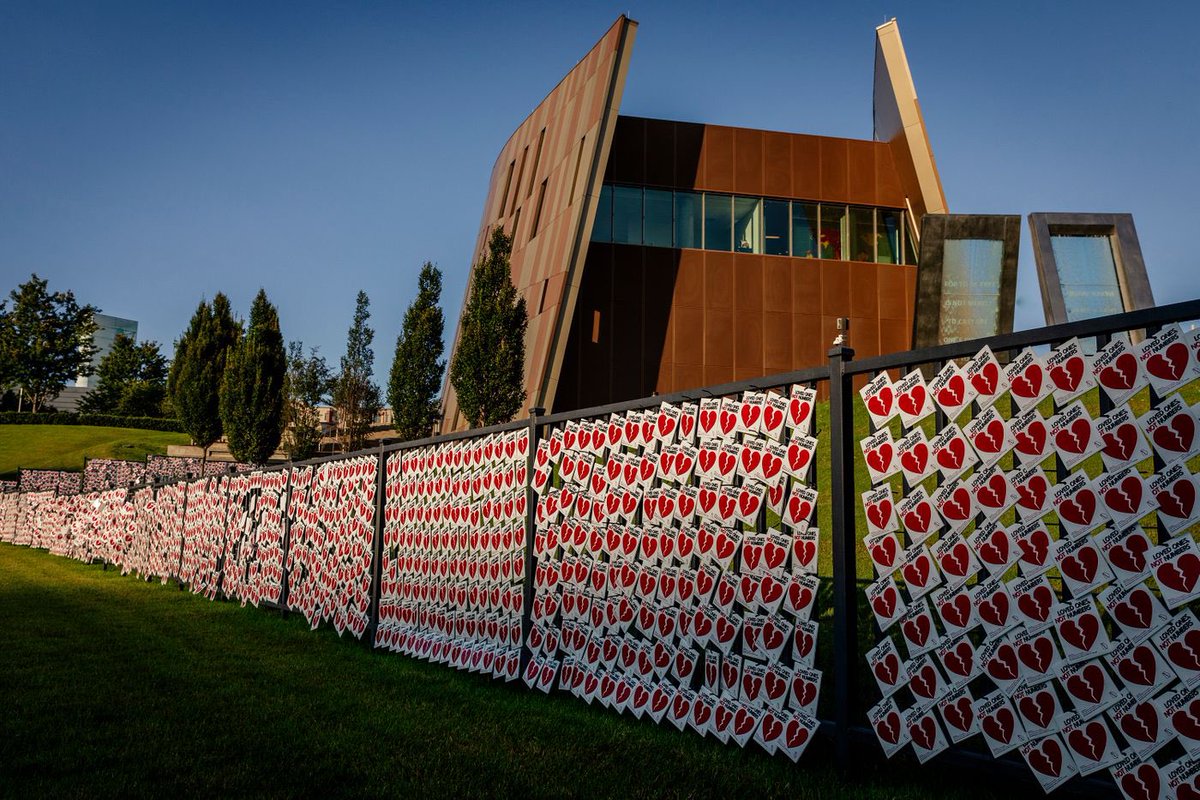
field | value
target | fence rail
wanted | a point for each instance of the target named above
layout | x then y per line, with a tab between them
675	556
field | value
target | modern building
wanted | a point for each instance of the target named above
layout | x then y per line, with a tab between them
107	330
657	256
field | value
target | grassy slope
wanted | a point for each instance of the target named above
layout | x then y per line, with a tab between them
64	446
118	687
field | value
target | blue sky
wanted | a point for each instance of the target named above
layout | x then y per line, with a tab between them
154	153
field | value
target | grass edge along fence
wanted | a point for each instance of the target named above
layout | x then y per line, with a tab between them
400	569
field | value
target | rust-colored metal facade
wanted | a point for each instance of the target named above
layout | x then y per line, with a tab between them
653	319
609	321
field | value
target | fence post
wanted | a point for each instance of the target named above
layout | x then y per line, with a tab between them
845	542
377	548
530	532
287	541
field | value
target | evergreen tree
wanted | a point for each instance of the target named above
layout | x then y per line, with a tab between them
306	386
131	380
251	400
355	395
194	382
417	366
488	369
45	341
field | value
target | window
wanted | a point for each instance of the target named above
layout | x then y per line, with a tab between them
627	215
537	157
517	187
833	231
689	219
575	174
775	227
804	230
887	237
656	229
516	222
718	222
602	229
537	213
862	235
507	183
747	224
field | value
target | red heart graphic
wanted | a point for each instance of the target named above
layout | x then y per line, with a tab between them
951	456
798	411
1066	375
1125	497
916	459
795	734
994	492
887	669
1131	554
1080	632
1178	499
803	551
1169	365
991	438
1003	664
994	609
1143	782
916	629
880	404
1000	725
1075	438
960	714
994	551
1047	757
960	660
880	458
952	393
1136	610
985	380
1035	548
1139	667
1141	723
916	572
1090	741
1080	508
917	520
924	733
1082	565
957	560
1037	654
1176	436
957	611
1087	685
1036	604
958	506
1122	374
1180	574
888	728
884	551
1121	443
1029	382
879	513
1032	440
1184	654
913	401
1038	708
885	603
1186	721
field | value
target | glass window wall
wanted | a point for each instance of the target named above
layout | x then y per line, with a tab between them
887	236
862	235
602	229
627	215
747	224
833	231
658	218
775	227
689	220
718	222
804	230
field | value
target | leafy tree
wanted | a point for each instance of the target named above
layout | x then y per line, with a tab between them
251	401
130	378
45	341
306	386
194	382
488	369
417	366
355	396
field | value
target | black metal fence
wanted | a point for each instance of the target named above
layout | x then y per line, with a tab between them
453	547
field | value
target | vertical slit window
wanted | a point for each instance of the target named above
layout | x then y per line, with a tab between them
602	229
658	223
537	158
805	231
689	220
575	174
516	222
520	177
537	212
627	214
507	184
718	222
910	243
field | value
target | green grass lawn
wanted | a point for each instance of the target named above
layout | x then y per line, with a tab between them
117	687
64	446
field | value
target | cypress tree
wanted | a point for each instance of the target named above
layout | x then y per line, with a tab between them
194	383
251	399
355	395
488	369
417	366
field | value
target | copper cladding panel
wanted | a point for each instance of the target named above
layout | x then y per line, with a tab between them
577	117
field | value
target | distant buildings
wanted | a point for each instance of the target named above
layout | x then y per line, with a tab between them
108	327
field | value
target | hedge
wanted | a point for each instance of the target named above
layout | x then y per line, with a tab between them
106	420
